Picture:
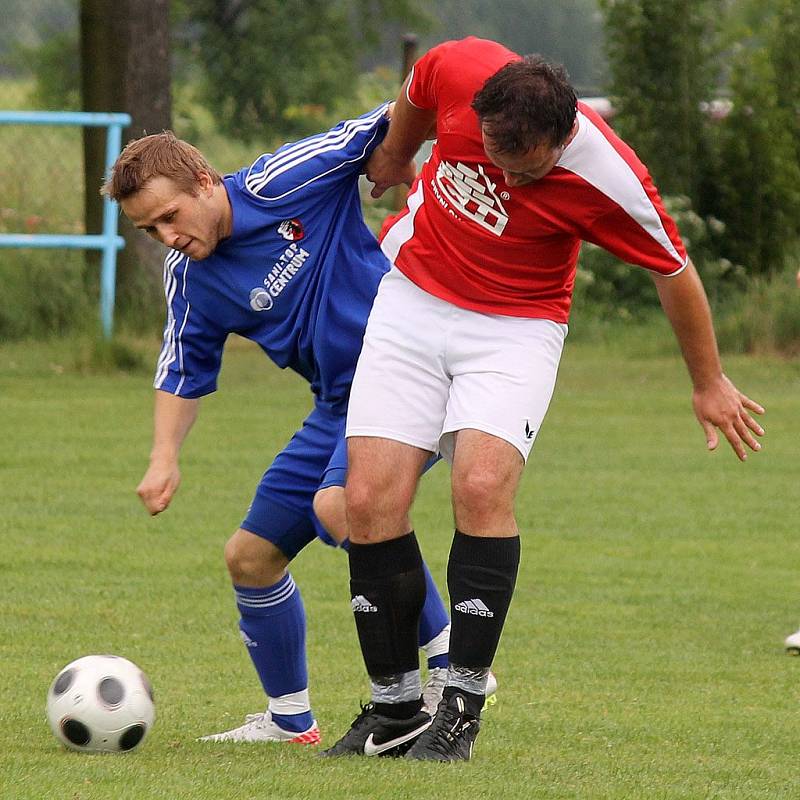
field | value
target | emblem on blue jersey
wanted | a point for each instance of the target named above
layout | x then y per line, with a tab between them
260	299
291	230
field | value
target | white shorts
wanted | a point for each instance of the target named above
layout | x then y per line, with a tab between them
429	368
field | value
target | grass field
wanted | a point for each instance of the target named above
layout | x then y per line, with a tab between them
642	657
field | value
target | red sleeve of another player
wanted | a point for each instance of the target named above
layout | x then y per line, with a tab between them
422	85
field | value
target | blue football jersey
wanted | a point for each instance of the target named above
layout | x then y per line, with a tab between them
298	274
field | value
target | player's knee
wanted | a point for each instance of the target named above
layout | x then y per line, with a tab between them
329	506
360	501
253	561
365	506
480	490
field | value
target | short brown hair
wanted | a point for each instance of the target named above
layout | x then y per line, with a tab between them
157	155
527	103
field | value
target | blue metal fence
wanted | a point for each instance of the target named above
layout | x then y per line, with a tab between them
108	241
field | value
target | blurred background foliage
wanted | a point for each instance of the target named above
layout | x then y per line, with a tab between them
706	91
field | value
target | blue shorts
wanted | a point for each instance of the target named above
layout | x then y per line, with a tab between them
315	458
282	511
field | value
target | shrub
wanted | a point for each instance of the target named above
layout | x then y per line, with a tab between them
765	318
44	294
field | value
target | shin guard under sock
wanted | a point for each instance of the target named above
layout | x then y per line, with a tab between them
387	587
481	575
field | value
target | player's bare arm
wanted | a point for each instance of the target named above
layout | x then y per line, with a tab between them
718	404
392	163
173	417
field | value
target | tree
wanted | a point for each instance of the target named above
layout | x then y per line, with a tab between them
759	173
741	170
265	62
663	69
783	38
125	66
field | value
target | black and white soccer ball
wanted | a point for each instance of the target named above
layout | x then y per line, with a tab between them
101	704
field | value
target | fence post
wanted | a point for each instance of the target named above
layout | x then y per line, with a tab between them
108	275
108	241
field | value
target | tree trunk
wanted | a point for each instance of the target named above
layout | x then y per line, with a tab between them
125	66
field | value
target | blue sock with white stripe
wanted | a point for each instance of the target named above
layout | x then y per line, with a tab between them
434	624
273	626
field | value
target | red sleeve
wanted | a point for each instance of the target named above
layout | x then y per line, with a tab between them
613	202
653	243
421	90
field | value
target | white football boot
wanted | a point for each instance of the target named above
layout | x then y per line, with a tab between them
792	644
433	688
261	728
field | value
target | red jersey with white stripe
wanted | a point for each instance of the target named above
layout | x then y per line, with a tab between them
469	239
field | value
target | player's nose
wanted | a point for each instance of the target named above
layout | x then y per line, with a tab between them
169	236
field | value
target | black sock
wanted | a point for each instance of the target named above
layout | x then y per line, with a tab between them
404	710
481	574
387	586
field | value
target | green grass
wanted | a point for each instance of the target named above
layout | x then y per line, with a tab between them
642	656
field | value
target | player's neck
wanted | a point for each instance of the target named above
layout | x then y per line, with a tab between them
226	211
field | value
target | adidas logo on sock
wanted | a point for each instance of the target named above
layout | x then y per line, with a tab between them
475	607
247	640
360	603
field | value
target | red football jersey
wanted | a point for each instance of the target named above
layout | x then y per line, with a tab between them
469	239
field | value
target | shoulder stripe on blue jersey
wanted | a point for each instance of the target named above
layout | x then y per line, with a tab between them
321	142
295	155
172	346
336	136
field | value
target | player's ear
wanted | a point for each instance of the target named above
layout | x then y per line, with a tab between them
205	183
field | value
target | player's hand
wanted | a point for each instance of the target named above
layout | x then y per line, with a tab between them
720	406
385	171
158	486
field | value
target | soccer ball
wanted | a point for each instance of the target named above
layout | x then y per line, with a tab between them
100	704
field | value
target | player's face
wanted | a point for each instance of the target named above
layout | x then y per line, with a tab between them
520	169
190	223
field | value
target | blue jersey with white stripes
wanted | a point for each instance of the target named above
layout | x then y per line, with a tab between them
298	274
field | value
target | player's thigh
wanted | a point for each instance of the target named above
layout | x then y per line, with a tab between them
330	507
384	465
282	509
504	375
401	385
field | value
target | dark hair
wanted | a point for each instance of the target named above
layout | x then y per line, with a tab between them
157	155
525	104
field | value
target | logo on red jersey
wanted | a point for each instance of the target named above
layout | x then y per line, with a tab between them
292	230
472	194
